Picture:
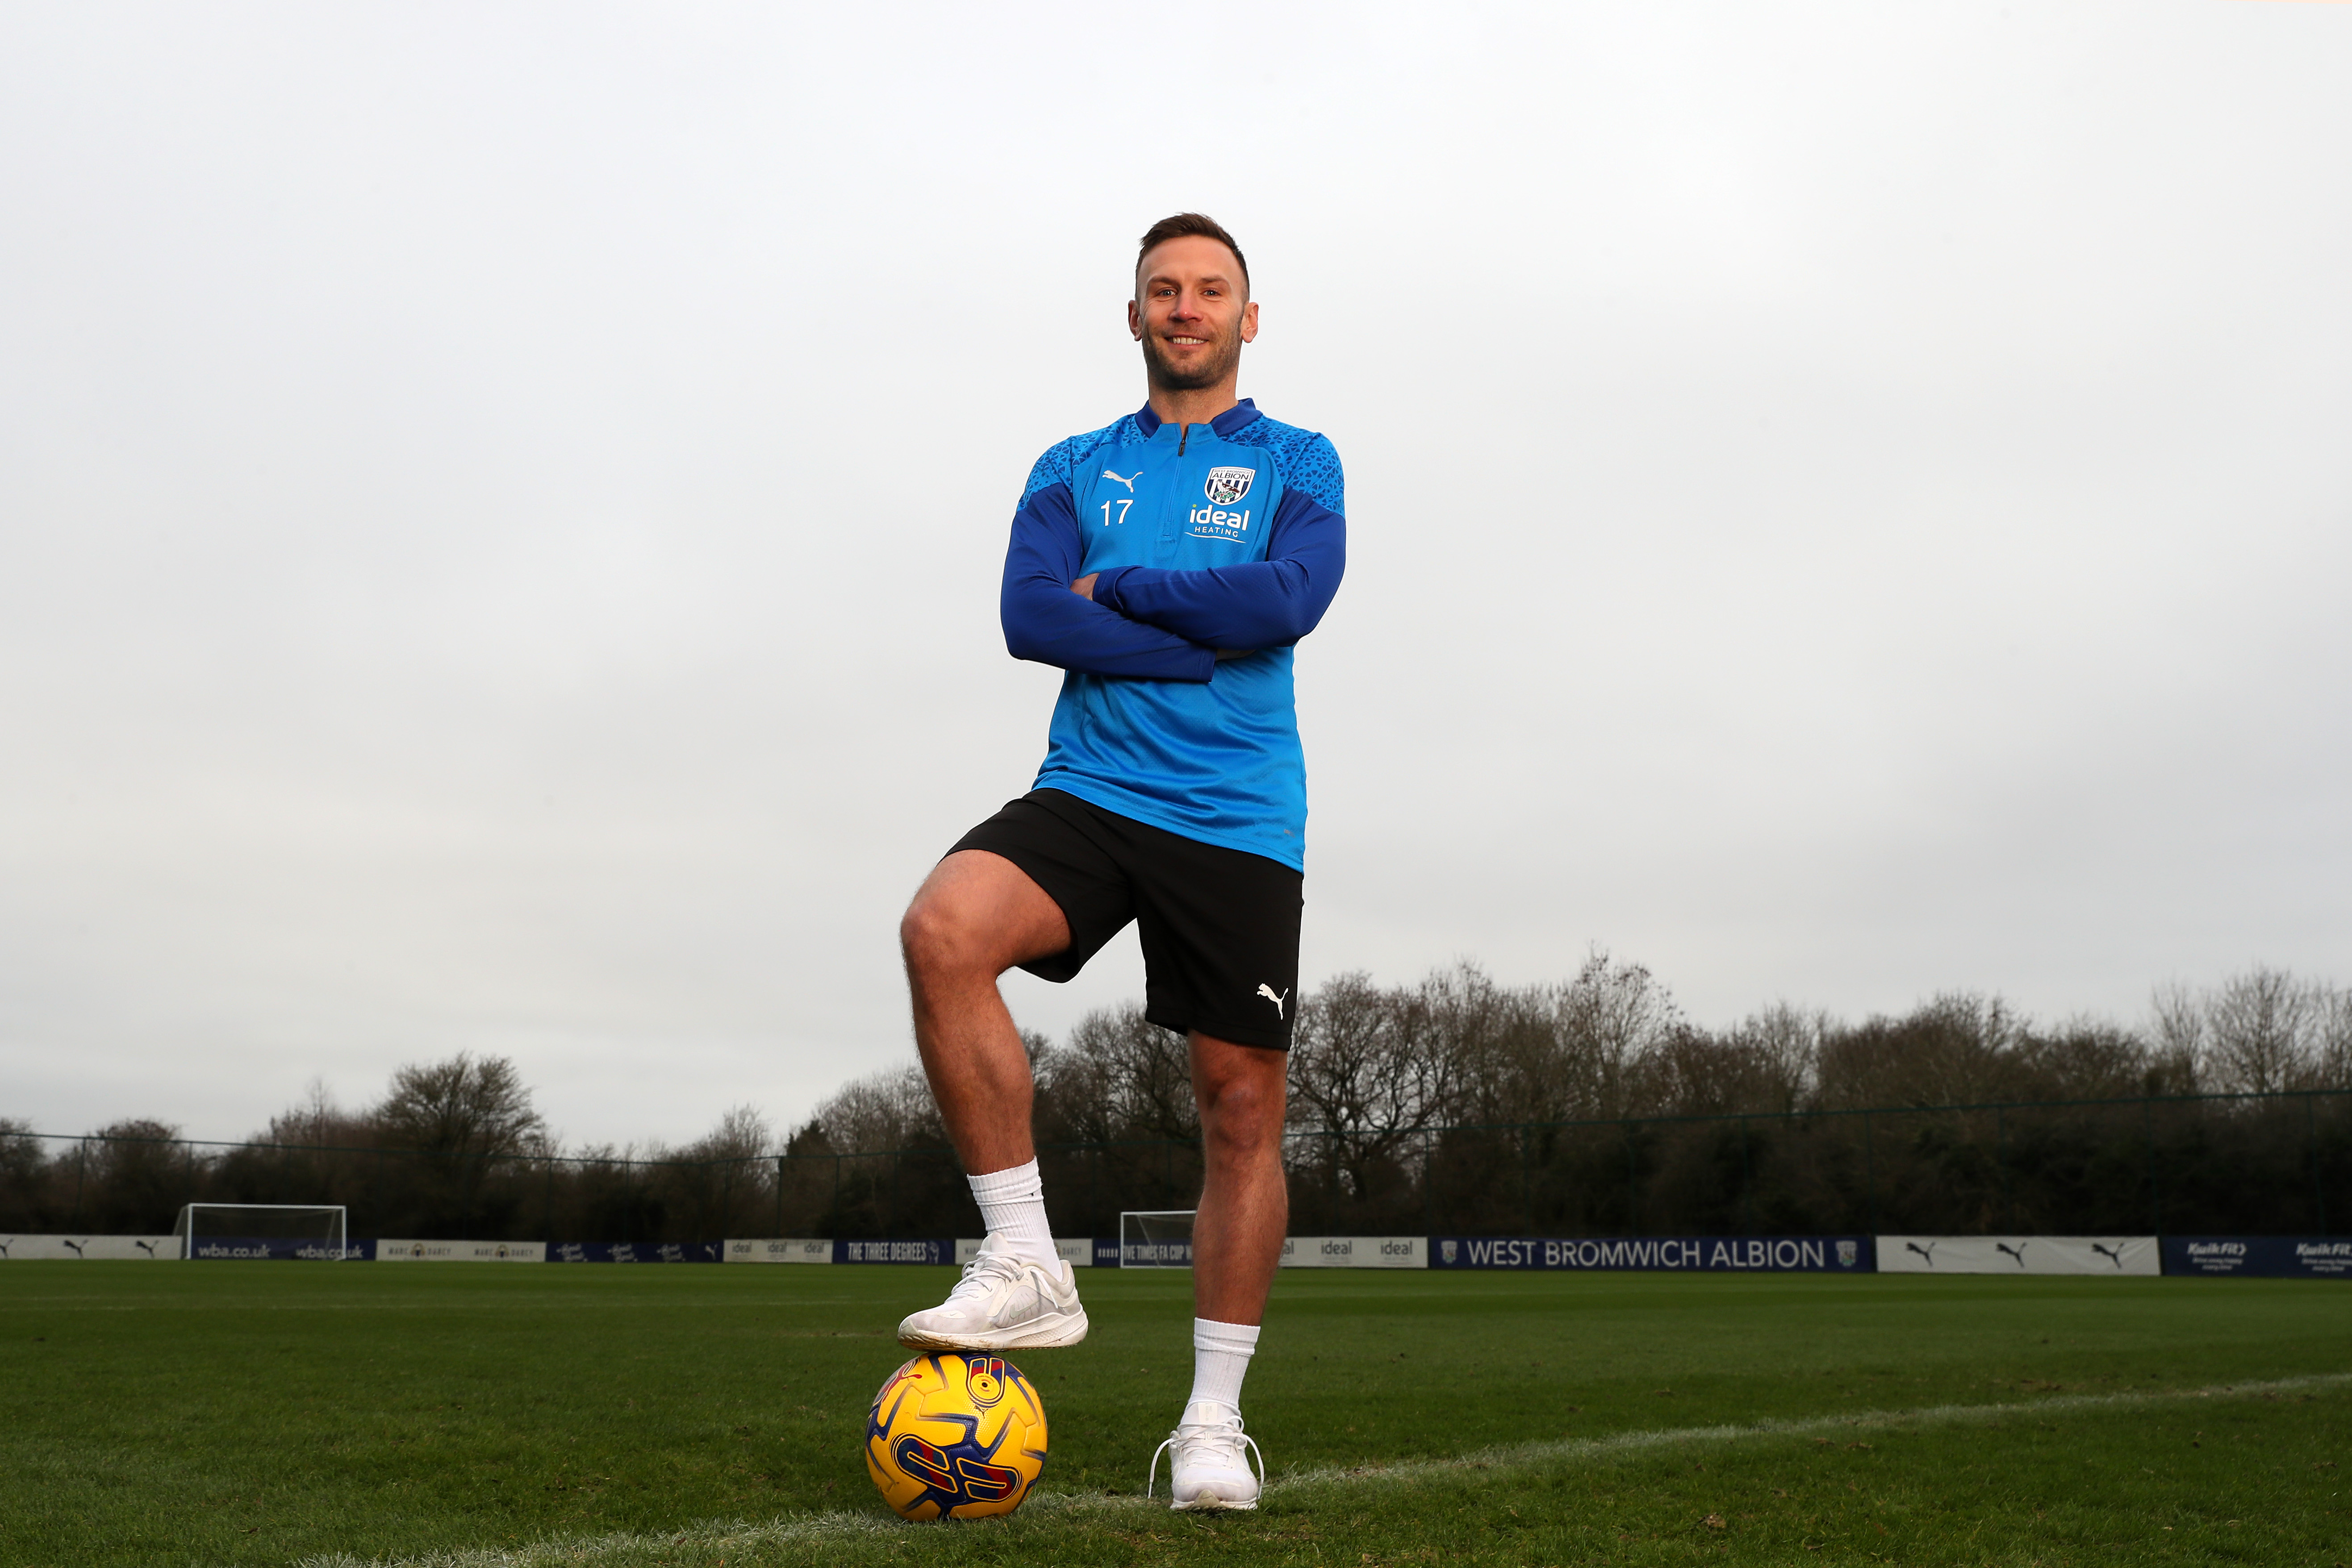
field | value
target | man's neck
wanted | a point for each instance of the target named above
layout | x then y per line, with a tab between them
1192	408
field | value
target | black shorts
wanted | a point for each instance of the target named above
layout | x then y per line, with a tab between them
1220	927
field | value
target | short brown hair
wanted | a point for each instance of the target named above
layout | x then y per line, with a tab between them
1183	224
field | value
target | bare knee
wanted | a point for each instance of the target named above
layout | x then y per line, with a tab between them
1242	1113
938	940
977	914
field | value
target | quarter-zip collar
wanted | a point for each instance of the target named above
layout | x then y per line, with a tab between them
1225	424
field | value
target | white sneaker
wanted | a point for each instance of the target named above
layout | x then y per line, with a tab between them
1002	1303
1208	1469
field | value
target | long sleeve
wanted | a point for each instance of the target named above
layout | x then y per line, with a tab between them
1046	622
1258	604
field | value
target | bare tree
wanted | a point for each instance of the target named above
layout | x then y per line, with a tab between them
137	1178
1763	1065
723	1173
1119	1076
464	1106
1607	1023
1370	1069
317	1122
1499	1041
21	1156
743	1133
2260	1029
1957	1049
2085	1058
1782	1046
888	1109
2334	1069
2176	1025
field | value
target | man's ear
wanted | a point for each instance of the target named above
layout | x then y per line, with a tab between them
1249	322
1134	320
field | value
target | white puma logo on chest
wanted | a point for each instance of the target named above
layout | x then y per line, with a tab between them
1127	480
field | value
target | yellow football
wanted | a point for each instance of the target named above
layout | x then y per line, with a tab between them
955	1436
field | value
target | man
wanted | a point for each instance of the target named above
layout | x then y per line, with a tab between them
1166	563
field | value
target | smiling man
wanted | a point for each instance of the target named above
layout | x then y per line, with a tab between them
1167	562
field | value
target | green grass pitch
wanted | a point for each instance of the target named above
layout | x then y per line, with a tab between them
476	1414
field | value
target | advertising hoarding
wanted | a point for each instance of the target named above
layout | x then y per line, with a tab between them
2092	1254
1354	1252
67	1248
389	1250
2266	1256
1674	1254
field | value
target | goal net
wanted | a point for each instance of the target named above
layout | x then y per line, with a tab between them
1155	1238
262	1230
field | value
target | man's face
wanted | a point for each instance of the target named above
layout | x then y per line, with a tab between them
1191	313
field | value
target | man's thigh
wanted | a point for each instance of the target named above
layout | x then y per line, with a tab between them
1062	857
985	911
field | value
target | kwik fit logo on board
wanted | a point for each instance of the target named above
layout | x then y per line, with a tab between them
1225	487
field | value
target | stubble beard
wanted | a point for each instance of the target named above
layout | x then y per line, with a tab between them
1211	370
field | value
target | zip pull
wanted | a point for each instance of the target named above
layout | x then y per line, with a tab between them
1183	436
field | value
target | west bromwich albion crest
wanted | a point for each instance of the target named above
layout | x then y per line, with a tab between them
1227	486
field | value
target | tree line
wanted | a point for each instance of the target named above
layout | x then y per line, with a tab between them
1589	1105
1375	1063
1595	1105
452	1149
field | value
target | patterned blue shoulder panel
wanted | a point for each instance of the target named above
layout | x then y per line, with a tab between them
1062	459
1308	461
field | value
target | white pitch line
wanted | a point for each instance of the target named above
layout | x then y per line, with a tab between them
570	1552
1525	1455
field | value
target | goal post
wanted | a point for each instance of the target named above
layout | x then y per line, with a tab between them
263	1230
1156	1239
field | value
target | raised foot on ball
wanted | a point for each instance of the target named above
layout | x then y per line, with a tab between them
1004	1302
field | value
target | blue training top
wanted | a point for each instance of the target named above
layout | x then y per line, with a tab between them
1225	538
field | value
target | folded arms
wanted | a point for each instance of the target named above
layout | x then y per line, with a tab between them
1159	623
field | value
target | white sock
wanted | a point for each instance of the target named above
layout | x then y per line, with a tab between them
1013	1207
1220	1358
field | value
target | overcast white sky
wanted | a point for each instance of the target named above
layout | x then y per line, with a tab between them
501	507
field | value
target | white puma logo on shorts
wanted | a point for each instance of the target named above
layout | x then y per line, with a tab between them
1267	992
